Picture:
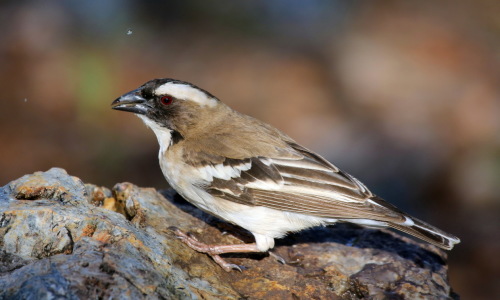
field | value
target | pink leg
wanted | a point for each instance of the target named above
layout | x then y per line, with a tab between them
215	250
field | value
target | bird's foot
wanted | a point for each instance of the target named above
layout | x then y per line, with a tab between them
215	250
225	265
280	259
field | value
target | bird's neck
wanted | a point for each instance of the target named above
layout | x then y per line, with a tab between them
163	134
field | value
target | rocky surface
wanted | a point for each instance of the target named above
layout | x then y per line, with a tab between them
62	239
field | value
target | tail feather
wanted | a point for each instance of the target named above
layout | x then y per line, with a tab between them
427	233
414	226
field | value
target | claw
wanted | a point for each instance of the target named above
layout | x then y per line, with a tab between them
239	268
227	266
190	235
280	259
173	228
178	233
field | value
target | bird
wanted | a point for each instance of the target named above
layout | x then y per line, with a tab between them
248	173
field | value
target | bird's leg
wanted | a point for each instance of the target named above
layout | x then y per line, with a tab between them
215	250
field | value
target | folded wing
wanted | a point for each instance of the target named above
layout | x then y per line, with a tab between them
302	182
299	182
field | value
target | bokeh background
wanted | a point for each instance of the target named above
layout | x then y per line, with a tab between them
403	95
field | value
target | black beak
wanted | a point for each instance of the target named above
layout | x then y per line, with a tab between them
132	102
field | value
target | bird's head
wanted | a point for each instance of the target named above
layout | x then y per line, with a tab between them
170	104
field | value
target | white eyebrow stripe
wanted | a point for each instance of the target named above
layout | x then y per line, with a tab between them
185	92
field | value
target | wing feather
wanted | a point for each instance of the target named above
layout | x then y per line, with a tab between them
299	182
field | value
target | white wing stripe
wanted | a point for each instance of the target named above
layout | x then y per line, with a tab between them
223	172
408	221
265	185
301	164
334	183
315	194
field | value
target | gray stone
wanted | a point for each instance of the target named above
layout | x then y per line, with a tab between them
61	239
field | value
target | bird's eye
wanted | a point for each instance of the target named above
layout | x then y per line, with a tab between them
166	100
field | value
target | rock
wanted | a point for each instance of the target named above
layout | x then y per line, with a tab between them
60	239
54	184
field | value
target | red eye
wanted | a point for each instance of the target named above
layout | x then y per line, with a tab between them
166	100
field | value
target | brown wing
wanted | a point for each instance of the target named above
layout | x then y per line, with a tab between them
300	181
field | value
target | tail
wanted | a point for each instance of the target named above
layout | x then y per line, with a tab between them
426	232
390	216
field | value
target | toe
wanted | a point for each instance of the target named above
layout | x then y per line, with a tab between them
277	257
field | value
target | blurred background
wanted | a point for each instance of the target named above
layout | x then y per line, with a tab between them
403	95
